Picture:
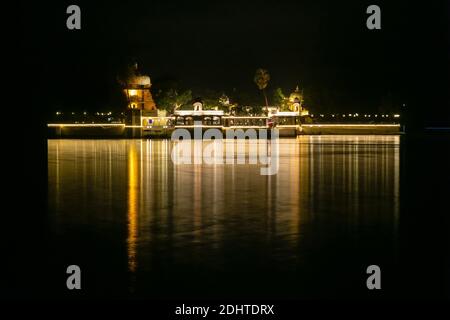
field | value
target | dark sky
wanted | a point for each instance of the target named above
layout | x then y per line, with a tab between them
321	45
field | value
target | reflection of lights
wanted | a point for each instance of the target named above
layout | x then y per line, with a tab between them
132	210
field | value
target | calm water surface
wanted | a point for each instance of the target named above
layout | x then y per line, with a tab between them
139	225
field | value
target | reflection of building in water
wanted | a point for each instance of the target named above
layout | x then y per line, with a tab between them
292	191
133	185
347	176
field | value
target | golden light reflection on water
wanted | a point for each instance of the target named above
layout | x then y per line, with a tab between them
133	185
191	213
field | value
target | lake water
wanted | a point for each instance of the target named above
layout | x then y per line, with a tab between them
139	225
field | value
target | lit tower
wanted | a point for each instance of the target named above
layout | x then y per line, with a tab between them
296	102
137	90
139	100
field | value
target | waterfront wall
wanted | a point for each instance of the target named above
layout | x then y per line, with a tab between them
122	131
370	129
87	132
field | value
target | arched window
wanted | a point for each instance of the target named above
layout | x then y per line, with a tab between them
207	121
216	120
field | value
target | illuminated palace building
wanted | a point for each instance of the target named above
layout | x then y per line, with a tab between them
143	119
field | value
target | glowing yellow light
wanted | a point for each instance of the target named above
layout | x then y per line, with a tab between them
132	209
396	116
50	125
352	125
132	92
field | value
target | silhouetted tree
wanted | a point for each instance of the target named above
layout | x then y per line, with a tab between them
262	78
171	100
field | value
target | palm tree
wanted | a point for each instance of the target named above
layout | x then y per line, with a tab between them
261	79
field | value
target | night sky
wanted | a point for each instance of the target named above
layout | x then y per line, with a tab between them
324	46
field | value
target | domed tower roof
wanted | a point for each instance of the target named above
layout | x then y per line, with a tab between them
197	100
135	79
139	81
296	96
197	103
